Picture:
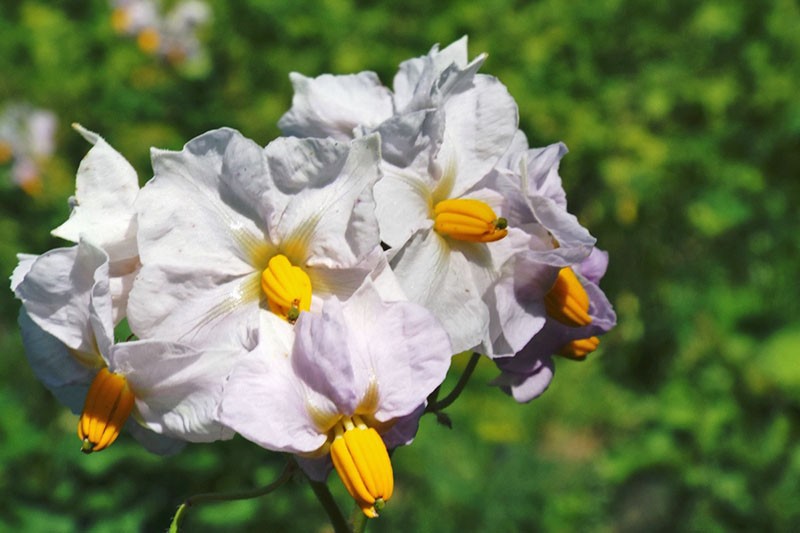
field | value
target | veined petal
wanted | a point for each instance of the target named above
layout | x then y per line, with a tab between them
106	188
332	106
53	365
186	303
384	333
331	214
177	388
58	289
266	403
479	126
322	356
442	281
424	81
190	213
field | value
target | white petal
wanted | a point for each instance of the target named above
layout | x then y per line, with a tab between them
480	124
153	442
266	403
332	106
189	213
106	188
177	388
442	282
67	379
322	197
22	269
184	304
58	290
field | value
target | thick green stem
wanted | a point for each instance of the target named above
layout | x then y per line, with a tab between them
210	497
462	382
324	496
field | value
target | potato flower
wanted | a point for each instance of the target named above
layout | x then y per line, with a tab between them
577	313
341	387
228	229
102	211
442	131
68	332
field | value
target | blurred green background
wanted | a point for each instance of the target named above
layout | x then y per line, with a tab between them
683	121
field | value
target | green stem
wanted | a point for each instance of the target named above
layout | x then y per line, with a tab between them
462	382
358	520
288	470
324	496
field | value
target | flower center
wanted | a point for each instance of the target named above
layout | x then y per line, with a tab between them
287	287
108	405
6	152
148	40
567	301
466	219
580	348
362	462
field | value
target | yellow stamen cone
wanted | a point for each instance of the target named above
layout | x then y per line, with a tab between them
148	40
362	462
120	20
567	300
108	404
579	349
287	287
470	220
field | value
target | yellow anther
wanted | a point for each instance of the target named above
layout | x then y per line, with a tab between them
6	152
362	462
148	40
567	300
578	349
107	407
468	220
120	20
287	288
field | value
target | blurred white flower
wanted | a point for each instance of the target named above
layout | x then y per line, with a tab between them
27	141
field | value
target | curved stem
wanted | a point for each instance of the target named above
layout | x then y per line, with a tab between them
285	475
325	497
462	382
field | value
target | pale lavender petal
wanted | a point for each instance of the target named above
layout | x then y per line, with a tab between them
403	429
325	205
526	387
594	267
189	214
153	442
265	402
407	351
322	354
22	269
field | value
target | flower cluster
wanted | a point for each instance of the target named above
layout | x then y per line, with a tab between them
27	141
172	36
309	295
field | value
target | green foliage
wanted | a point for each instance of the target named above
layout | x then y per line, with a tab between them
684	130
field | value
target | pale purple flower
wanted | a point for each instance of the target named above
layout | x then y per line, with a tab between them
527	374
362	357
